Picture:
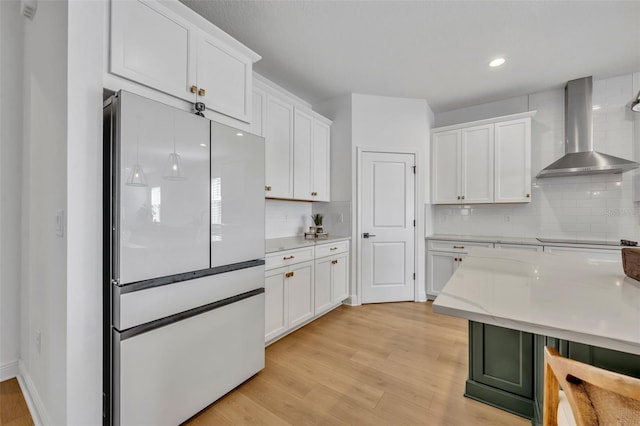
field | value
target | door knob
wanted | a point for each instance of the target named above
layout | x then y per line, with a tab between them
367	235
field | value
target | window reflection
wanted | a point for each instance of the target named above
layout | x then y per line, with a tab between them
155	204
216	209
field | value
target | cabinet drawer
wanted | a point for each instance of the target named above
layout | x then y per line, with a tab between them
332	248
288	257
456	246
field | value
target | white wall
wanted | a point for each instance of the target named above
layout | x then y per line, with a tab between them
582	207
84	212
44	255
11	44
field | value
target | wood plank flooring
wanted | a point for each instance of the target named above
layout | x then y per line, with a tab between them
381	364
13	408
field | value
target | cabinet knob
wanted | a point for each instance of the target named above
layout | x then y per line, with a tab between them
528	195
288	275
288	257
194	89
201	92
267	188
463	197
333	262
458	197
314	193
460	260
455	259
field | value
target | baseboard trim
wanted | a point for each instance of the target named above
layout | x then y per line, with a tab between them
8	370
353	300
34	402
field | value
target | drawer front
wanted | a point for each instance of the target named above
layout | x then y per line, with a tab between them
526	247
329	249
456	246
288	257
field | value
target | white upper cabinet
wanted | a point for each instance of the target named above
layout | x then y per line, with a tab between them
321	156
224	78
298	143
311	158
476	168
483	162
151	45
513	161
303	158
445	167
158	46
279	149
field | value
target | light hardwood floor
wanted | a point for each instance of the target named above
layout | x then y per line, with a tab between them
13	408
381	364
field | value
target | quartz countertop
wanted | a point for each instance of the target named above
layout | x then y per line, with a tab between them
288	243
557	295
515	240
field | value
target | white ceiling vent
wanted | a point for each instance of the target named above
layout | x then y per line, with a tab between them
28	8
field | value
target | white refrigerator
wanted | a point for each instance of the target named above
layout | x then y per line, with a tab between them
183	261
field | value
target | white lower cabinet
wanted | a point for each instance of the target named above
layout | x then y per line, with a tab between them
443	258
332	276
302	284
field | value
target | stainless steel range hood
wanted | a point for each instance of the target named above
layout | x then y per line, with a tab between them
580	158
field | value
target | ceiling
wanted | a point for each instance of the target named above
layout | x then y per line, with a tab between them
435	50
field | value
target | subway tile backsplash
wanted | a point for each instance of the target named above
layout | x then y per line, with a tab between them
578	207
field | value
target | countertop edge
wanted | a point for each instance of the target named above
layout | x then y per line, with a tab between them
516	240
573	336
292	243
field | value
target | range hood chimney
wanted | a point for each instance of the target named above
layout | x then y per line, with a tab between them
579	157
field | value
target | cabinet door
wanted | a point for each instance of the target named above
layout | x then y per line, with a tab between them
513	161
476	168
445	167
502	358
258	116
322	285
276	303
151	45
340	277
320	179
302	159
279	149
225	78
441	266
300	293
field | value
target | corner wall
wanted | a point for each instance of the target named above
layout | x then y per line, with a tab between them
11	47
44	254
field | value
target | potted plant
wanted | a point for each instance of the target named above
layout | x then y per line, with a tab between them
317	220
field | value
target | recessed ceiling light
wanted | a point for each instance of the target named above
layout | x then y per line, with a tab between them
497	62
595	107
204	145
239	134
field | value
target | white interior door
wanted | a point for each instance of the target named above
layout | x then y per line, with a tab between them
387	227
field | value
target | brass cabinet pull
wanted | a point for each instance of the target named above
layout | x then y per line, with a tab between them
333	262
288	257
455	259
201	92
333	248
458	197
463	197
314	193
458	247
528	195
194	89
288	275
460	260
267	188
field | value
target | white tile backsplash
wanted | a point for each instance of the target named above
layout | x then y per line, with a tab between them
580	207
286	218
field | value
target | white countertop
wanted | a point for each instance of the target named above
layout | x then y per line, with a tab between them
288	243
515	240
558	295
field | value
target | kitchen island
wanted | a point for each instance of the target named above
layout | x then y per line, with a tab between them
518	302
